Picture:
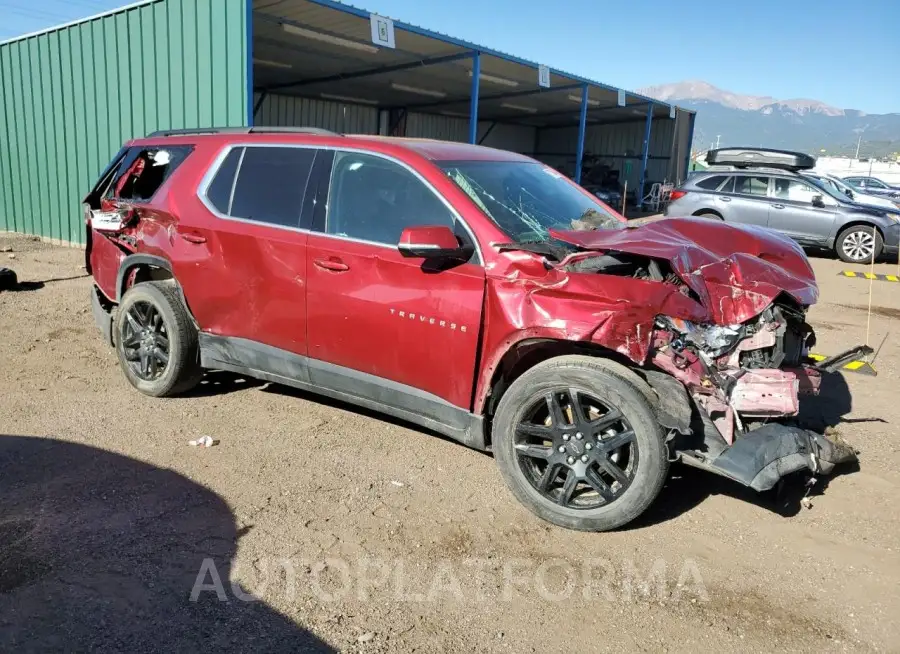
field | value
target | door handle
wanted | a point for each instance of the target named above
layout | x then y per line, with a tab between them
194	238
778	206
725	199
335	265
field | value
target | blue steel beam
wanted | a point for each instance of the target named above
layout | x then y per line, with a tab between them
497	96
362	13
473	106
369	72
582	126
644	153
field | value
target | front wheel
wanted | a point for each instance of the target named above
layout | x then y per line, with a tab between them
579	445
859	244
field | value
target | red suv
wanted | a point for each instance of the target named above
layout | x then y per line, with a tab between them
472	291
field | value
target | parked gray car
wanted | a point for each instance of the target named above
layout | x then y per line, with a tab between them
813	215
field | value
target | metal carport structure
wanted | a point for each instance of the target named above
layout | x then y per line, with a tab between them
73	93
314	61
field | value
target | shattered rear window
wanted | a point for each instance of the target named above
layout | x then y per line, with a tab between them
147	171
528	199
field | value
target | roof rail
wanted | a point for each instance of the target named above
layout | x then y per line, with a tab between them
243	130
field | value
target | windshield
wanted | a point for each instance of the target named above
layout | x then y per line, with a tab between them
528	199
827	185
840	184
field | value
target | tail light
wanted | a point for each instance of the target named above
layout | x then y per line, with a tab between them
677	195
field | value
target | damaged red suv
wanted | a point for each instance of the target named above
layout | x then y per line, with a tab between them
472	291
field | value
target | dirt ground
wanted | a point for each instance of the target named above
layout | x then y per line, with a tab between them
342	531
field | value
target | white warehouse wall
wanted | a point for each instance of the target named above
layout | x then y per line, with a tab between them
286	111
516	138
617	143
289	111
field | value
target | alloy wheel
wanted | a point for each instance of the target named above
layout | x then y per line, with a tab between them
145	341
859	245
575	450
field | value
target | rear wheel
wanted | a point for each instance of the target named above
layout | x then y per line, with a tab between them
859	244
155	340
710	215
579	444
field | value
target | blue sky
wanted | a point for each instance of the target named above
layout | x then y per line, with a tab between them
844	54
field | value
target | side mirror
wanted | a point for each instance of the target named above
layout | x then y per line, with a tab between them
432	242
818	201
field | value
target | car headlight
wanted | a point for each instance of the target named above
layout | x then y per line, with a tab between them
714	340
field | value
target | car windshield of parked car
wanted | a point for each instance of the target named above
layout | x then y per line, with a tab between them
828	186
840	184
526	200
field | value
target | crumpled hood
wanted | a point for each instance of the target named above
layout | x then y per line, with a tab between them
736	271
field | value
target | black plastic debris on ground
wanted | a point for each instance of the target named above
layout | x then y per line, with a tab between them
8	279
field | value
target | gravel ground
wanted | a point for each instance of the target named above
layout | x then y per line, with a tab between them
313	525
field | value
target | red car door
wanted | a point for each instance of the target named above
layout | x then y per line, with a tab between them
378	323
243	264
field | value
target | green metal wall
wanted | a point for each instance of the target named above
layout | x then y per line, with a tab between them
70	97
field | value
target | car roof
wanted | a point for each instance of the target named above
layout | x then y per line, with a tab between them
432	149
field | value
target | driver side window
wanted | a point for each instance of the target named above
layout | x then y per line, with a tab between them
374	199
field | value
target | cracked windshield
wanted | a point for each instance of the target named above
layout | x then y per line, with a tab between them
527	200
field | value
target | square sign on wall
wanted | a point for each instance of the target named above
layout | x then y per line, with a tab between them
544	76
382	31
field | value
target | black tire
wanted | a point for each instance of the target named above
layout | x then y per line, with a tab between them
181	370
616	388
710	216
853	239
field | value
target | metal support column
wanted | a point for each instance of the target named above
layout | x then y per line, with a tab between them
473	107
645	153
582	127
690	143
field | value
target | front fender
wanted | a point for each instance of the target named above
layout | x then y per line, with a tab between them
527	302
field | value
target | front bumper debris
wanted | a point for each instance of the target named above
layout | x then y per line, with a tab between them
760	458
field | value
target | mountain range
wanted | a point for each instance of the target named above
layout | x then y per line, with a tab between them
795	124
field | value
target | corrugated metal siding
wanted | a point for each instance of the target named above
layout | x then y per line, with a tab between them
72	96
516	138
288	111
433	126
618	142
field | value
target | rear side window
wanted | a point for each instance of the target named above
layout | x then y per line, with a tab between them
262	184
219	191
751	185
144	170
713	183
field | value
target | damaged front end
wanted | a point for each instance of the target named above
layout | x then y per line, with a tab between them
742	385
713	316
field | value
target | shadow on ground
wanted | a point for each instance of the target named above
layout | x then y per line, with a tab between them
101	552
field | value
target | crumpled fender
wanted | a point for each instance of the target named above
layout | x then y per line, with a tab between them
524	300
